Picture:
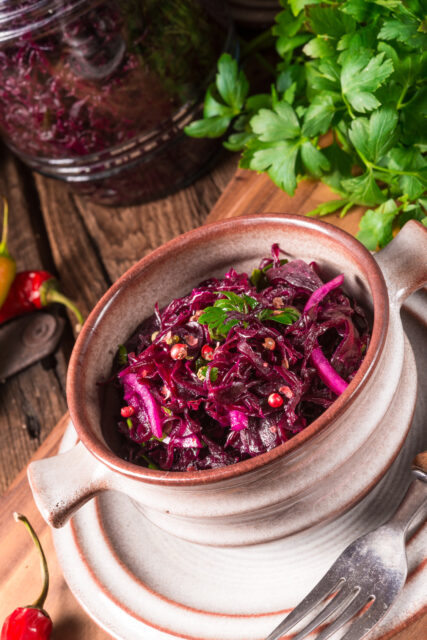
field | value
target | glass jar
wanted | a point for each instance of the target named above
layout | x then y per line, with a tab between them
97	93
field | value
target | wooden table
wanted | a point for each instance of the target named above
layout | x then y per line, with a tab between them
88	247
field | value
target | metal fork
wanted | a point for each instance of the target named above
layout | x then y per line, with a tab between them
366	578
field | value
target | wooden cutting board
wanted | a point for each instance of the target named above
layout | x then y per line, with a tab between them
19	568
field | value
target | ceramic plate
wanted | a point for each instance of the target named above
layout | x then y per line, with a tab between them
139	582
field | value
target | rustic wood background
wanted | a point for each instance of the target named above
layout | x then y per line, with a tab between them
87	246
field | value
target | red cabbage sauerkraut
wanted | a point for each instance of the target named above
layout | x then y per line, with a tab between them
238	366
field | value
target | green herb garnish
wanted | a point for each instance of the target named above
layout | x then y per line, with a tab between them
355	68
150	463
202	373
219	323
122	355
258	278
216	317
288	315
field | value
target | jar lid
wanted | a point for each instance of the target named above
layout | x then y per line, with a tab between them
21	17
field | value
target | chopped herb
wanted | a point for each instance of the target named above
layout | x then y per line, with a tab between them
213	374
202	372
288	315
150	463
258	275
122	355
216	317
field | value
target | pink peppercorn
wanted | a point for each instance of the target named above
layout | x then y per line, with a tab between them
178	351
275	400
207	352
127	412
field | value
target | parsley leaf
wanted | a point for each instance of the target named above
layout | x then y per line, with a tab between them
214	107
276	158
376	226
216	316
282	123
327	207
216	319
328	21
208	127
232	84
364	189
374	137
318	117
410	159
314	160
361	75
288	315
405	31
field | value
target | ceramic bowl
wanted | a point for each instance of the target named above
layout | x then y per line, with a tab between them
319	473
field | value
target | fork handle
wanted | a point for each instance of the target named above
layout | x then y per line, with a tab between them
414	503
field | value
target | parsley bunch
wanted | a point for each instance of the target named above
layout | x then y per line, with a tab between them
356	68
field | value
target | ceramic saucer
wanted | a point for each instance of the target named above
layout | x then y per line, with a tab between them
141	583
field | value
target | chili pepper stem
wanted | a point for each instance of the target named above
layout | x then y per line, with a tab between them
3	244
49	293
38	604
7	263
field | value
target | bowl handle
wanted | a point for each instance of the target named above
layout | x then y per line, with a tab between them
404	261
63	483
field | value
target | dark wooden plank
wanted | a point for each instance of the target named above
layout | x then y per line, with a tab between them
249	193
124	235
93	245
31	402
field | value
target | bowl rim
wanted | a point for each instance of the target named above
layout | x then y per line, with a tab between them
75	386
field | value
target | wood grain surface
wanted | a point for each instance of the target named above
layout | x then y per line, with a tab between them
32	402
19	569
87	247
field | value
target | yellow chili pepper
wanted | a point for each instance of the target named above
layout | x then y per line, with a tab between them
7	263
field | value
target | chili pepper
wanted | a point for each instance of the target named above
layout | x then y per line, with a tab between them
32	290
31	622
7	263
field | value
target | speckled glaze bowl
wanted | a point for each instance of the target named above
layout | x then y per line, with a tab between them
319	473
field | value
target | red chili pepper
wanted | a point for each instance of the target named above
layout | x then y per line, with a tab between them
32	290
32	622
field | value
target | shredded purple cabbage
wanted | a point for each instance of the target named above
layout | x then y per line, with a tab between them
238	366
